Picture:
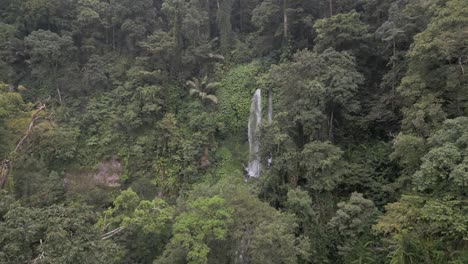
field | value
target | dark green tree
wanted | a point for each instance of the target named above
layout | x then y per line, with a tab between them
54	234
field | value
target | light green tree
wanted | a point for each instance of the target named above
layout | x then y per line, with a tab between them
444	167
203	88
341	32
206	220
352	222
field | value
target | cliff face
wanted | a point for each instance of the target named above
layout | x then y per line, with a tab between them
107	174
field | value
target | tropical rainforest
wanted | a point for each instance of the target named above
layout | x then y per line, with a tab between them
124	131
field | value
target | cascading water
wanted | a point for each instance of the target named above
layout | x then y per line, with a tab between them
255	120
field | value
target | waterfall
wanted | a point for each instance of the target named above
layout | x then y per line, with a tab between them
255	120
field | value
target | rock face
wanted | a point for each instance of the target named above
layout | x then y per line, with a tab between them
205	159
107	174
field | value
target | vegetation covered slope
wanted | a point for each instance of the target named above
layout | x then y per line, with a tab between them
123	131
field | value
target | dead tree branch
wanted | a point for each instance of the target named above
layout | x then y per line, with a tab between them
112	233
6	164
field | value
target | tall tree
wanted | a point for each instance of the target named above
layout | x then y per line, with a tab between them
50	52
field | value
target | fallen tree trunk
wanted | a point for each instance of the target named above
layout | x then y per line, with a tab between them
112	233
5	169
6	164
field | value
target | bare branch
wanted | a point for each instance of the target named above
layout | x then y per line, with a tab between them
112	233
6	164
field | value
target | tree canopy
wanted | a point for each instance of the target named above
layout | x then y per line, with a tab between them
124	131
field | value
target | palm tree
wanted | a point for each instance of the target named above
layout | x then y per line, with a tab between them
204	89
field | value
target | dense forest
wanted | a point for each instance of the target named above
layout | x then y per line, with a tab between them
130	129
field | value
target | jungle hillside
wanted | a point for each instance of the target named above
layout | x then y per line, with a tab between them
233	131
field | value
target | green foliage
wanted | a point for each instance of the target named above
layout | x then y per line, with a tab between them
205	220
129	210
307	217
7	32
29	179
139	226
408	151
56	144
202	88
341	32
132	82
316	92
234	96
371	171
229	160
259	233
436	69
48	47
267	236
424	116
322	164
177	156
315	89
444	167
124	205
352	222
49	53
419	227
153	215
160	47
300	203
281	25
13	118
223	18
54	234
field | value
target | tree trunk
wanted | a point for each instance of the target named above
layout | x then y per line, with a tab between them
57	84
240	16
5	169
330	7
394	74
113	37
7	163
60	96
285	21
178	44
330	127
300	137
293	181
162	176
107	36
460	63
